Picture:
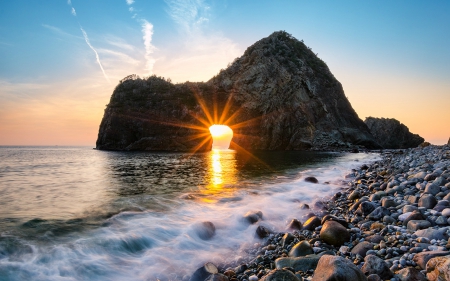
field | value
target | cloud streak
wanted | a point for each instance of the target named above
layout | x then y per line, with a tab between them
96	54
147	30
86	38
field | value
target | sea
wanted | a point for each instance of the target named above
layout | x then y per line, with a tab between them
76	213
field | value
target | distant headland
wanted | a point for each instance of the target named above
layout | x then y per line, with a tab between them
277	96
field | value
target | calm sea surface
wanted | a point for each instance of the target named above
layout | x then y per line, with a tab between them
74	213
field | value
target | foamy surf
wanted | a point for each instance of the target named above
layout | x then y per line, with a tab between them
171	244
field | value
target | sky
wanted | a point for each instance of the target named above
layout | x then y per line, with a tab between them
61	60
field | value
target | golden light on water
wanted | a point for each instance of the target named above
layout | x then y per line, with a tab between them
221	135
222	175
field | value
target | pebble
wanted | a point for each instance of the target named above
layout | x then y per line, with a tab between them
399	184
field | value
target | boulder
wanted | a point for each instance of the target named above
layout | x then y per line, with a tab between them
311	180
253	216
414	225
423	257
410	274
204	272
415	215
205	230
294	224
332	268
375	265
298	264
362	247
301	249
280	274
428	201
392	134
432	233
438	268
334	233
312	223
287	239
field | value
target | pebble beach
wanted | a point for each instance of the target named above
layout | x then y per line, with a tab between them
389	221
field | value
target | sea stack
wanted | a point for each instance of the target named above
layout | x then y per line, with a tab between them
277	96
391	134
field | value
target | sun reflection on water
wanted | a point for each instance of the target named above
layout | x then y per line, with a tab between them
222	175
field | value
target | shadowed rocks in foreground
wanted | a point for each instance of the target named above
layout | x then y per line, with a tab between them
391	134
277	96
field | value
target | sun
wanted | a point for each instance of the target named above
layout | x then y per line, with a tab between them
221	135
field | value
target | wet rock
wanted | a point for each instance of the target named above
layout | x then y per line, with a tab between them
253	216
204	272
423	257
410	274
298	264
262	231
334	233
205	230
365	208
312	223
280	274
342	221
332	268
354	195
375	265
294	224
217	277
287	239
414	225
378	213
438	268
301	249
311	180
361	248
427	201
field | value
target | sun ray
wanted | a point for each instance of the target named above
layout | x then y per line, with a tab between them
225	110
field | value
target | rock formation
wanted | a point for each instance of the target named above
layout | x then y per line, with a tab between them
278	96
390	133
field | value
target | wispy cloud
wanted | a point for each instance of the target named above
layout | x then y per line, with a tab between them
190	15
86	38
147	30
203	51
96	54
129	2
59	31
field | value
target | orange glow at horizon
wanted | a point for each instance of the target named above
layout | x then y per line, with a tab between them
221	135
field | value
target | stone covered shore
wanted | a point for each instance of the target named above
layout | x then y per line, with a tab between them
390	222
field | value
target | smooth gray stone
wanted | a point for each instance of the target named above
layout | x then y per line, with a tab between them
427	201
432	233
432	188
414	225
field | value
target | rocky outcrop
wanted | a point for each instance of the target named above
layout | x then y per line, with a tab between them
390	133
278	96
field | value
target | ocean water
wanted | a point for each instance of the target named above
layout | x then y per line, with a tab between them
75	213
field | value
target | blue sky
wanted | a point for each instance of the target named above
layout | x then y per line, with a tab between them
60	60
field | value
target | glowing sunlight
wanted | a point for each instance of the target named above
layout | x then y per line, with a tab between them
221	135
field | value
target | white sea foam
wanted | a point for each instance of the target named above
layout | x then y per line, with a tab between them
149	245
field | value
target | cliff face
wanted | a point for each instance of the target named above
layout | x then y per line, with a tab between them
392	134
278	96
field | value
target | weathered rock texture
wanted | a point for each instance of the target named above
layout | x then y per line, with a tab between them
390	133
278	96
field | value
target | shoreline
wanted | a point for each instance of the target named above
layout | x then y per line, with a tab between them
391	222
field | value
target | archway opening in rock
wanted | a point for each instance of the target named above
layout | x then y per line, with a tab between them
222	135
